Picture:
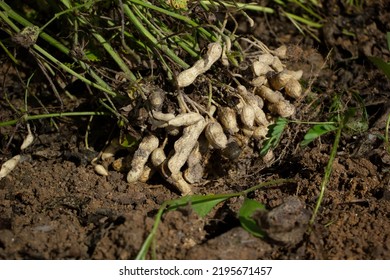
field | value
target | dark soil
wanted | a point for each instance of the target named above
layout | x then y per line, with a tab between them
54	206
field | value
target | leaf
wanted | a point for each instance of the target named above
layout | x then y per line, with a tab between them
274	133
202	204
202	207
388	40
316	131
381	64
248	208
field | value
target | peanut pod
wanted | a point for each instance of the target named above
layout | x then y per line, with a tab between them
188	76
215	135
227	117
184	145
141	155
9	165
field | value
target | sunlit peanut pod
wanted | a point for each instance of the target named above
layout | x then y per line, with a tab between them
266	58
279	80
158	157
185	119
283	108
162	116
215	135
101	170
247	116
260	68
260	117
187	77
28	140
269	94
260	132
296	75
9	165
280	52
141	155
184	145
227	117
277	65
259	81
293	89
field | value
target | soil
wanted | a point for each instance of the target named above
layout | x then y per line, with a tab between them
54	206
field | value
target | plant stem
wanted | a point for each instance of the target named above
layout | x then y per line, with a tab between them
53	115
328	171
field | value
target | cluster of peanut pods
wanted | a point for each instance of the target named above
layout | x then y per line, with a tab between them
197	132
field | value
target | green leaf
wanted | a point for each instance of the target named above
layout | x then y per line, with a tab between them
388	40
248	208
202	204
316	131
274	133
381	64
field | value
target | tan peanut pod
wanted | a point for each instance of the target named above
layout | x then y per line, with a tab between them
247	116
260	132
147	173
296	75
269	95
281	52
260	68
178	181
259	101
277	65
185	119
187	77
215	135
242	90
172	130
227	117
279	80
141	155
194	172
259	81
214	52
293	89
247	132
156	99
9	165
175	180
160	116
28	140
266	58
101	170
158	157
269	157
111	149
260	117
184	145
283	108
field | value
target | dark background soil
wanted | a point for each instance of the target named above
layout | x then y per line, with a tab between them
54	206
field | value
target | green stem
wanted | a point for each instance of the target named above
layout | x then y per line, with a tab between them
53	115
175	203
328	171
151	38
